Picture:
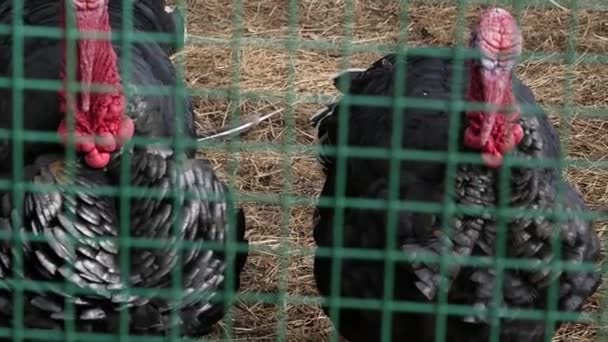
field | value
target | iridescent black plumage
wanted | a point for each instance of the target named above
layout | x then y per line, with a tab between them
203	208
68	252
97	264
371	126
81	233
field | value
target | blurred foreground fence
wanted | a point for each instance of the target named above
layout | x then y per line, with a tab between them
18	31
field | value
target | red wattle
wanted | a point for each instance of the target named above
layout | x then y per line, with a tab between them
106	142
472	138
497	145
492	160
126	130
517	134
96	159
102	127
82	143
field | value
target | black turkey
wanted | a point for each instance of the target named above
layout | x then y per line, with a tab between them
201	212
490	80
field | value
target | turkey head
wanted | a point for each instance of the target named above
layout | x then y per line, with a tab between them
101	126
497	131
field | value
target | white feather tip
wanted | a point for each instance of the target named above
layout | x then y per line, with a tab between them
349	70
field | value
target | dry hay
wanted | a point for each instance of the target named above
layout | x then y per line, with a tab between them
268	69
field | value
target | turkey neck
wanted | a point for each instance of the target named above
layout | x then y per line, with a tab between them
97	61
100	126
477	185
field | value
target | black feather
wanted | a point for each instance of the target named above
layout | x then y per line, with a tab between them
203	208
72	224
420	233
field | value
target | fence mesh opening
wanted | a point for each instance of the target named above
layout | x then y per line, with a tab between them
264	57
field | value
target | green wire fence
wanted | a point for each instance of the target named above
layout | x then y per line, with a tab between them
18	32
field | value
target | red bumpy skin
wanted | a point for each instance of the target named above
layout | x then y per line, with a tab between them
497	132
101	126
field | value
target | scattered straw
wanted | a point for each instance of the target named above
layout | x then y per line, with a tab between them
265	69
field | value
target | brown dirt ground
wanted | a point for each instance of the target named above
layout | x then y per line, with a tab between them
268	69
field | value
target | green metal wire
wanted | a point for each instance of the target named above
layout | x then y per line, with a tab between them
448	210
570	62
124	200
288	140
340	182
71	152
17	191
235	99
394	177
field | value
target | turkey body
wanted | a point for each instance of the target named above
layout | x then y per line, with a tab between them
432	78
68	222
80	247
203	213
